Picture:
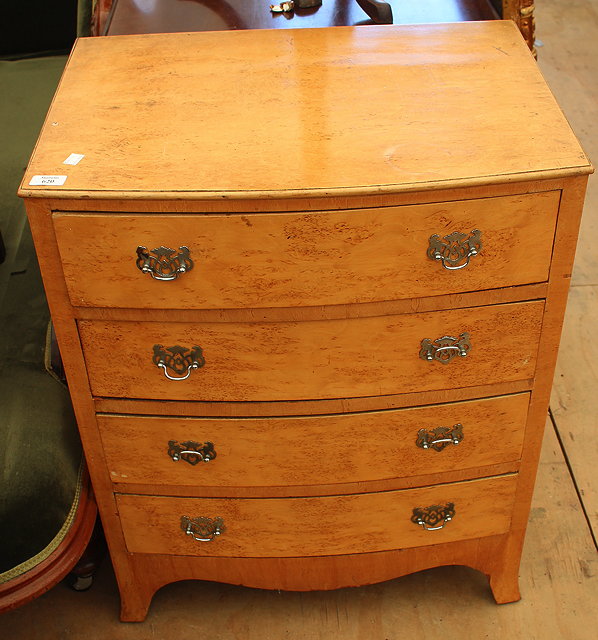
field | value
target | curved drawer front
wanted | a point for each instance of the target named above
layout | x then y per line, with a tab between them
235	361
318	450
302	259
333	525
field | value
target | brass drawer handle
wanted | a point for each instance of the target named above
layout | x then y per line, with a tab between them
202	529
440	437
445	349
180	360
164	265
191	452
455	250
430	517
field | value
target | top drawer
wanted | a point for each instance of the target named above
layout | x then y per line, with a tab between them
304	259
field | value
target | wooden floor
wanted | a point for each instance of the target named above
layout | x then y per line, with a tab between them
558	577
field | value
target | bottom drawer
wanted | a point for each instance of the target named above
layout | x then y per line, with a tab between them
330	525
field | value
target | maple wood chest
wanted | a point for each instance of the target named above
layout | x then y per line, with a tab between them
308	287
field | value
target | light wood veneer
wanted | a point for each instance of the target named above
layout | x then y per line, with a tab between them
335	449
322	526
271	259
307	171
314	359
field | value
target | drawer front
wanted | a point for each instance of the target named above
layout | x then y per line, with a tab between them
315	450
310	360
332	525
296	259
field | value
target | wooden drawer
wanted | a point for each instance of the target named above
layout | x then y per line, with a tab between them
313	359
331	525
296	259
319	450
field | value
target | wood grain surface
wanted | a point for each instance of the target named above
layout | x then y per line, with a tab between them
559	566
302	112
296	259
558	572
445	129
291	203
238	409
567	62
332	525
316	359
574	404
316	450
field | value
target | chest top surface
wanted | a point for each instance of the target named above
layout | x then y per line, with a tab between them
302	112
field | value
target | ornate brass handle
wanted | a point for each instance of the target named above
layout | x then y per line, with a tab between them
445	349
440	437
180	360
164	265
455	250
430	517
191	452
202	529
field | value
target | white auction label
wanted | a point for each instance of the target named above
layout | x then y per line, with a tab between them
74	158
48	181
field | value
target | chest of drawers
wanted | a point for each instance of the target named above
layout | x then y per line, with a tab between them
308	288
